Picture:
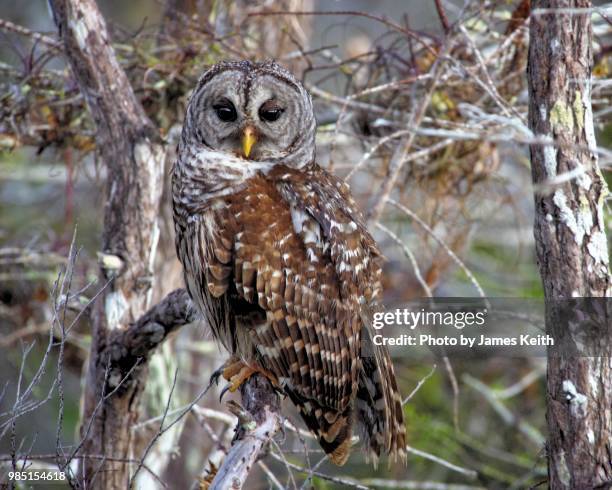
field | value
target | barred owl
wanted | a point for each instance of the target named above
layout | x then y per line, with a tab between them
277	258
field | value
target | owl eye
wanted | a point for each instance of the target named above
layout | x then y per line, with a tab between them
270	112
225	111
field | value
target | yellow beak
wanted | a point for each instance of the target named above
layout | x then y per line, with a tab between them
248	140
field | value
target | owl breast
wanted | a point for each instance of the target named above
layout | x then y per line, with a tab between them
285	274
255	261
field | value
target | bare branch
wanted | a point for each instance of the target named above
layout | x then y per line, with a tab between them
419	485
442	15
401	152
506	415
452	254
258	421
348	482
8	26
411	258
419	384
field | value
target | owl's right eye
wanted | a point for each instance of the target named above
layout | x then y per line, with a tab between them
226	111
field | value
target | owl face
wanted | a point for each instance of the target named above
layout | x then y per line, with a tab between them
257	111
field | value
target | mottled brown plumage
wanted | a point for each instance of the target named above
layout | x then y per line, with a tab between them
277	257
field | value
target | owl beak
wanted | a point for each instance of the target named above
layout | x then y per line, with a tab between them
248	140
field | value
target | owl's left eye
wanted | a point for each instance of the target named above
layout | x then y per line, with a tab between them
270	111
226	111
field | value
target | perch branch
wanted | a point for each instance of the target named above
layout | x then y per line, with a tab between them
258	421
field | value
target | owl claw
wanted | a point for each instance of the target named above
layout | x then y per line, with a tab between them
226	388
234	371
214	377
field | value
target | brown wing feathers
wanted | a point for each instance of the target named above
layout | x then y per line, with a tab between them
355	257
282	272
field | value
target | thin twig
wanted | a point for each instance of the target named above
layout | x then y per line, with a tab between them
442	16
448	250
7	25
341	480
419	485
455	386
419	384
354	13
158	434
411	258
399	156
520	385
447	464
504	413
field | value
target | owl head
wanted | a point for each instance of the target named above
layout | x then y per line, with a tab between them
255	111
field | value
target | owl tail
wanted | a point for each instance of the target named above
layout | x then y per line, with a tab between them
332	428
377	410
379	407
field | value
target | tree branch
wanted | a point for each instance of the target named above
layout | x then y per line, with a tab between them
138	342
8	26
258	421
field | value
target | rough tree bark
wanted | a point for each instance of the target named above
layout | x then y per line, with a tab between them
571	244
130	148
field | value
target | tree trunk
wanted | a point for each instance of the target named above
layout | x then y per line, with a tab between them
133	154
571	245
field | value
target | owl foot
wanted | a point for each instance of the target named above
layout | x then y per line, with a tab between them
211	472
234	371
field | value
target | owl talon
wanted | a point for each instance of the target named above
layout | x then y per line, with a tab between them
214	377
238	376
225	389
227	370
236	372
